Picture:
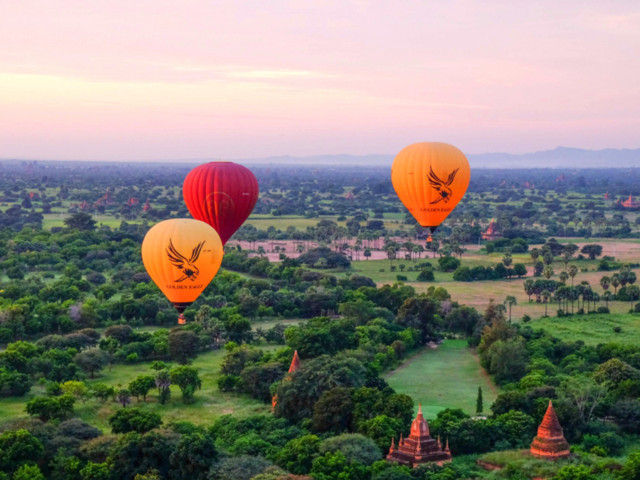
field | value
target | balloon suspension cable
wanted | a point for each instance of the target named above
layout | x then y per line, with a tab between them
429	237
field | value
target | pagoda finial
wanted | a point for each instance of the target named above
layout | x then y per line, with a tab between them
439	444
419	408
401	439
393	445
446	448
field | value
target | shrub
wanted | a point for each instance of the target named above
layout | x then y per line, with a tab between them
426	275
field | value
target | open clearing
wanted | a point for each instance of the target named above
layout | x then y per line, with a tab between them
210	403
444	377
593	329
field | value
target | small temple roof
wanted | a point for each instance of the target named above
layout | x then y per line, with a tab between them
295	363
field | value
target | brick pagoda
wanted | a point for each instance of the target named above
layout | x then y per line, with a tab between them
294	367
419	447
550	443
491	233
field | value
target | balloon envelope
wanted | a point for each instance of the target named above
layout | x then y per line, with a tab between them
430	178
221	194
182	256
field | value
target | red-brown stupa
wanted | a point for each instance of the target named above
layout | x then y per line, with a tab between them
294	367
550	443
419	447
491	233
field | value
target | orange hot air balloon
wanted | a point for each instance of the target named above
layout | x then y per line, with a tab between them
430	178
221	194
182	256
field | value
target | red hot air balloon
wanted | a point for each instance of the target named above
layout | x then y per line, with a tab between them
221	194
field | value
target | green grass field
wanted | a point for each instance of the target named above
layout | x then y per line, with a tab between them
593	329
209	403
445	377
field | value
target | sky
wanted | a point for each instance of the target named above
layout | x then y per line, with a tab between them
190	79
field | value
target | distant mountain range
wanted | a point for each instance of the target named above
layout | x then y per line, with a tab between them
560	157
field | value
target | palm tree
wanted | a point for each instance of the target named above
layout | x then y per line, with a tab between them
615	283
606	296
563	277
535	253
528	288
546	294
605	282
548	272
573	270
510	301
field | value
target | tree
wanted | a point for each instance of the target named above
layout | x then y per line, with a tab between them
546	295
584	394
102	391
538	268
193	457
563	277
479	407
140	386
592	250
333	411
507	259
631	469
134	420
420	313
74	388
573	270
183	345
615	282
510	301
354	446
28	472
48	408
298	454
163	384
80	221
18	447
187	379
92	361
520	269
123	397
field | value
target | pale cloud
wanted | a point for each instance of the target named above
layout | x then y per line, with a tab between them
87	79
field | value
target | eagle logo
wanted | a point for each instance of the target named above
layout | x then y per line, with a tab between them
186	265
442	187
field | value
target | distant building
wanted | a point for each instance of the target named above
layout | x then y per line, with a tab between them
550	443
419	447
491	233
294	367
630	203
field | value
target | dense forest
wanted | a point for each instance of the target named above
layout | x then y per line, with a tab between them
93	367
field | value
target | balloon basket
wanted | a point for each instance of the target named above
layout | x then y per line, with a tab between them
182	320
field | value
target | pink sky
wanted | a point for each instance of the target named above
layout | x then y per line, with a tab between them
140	79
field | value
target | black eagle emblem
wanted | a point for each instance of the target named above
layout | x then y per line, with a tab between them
187	265
441	186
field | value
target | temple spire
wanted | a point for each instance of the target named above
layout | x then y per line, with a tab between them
295	363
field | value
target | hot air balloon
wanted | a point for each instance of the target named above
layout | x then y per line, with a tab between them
221	194
182	256
430	178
